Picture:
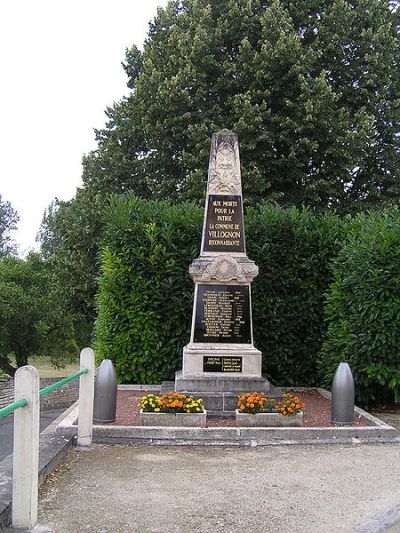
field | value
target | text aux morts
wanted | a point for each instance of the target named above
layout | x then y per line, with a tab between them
224	231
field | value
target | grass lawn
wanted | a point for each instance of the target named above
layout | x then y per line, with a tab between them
45	369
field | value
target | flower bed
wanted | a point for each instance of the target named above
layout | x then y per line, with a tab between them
172	409
317	412
257	410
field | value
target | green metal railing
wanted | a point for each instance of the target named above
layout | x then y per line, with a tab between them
62	382
13	407
23	402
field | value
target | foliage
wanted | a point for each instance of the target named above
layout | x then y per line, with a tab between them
311	88
146	294
293	250
8	222
69	235
145	298
255	402
171	402
363	308
33	320
290	405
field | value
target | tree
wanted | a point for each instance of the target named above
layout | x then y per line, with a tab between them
8	222
70	236
33	318
311	88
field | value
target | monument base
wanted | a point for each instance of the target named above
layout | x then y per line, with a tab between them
219	374
219	391
236	359
215	382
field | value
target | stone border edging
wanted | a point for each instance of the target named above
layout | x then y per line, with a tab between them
373	420
377	432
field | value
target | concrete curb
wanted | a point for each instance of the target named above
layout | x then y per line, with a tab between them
235	436
376	432
53	446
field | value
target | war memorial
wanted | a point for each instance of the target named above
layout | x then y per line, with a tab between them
220	360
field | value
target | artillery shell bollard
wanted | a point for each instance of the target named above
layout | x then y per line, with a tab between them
105	394
343	396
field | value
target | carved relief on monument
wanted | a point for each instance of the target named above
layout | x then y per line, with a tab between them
224	170
223	268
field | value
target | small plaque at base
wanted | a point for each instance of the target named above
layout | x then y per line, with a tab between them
222	364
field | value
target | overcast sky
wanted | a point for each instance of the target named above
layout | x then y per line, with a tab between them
60	65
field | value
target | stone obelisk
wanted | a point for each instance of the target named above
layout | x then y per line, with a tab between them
221	357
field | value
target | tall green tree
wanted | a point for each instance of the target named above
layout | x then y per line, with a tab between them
69	237
311	88
8	222
33	317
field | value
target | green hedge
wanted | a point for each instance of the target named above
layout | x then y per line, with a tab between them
145	297
363	308
146	294
349	268
293	250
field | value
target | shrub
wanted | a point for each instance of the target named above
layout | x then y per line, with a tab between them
146	293
293	250
363	308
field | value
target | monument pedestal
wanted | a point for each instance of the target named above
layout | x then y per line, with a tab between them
219	392
235	359
220	389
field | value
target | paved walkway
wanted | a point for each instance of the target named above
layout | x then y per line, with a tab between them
273	489
7	429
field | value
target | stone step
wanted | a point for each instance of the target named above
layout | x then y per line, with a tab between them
219	382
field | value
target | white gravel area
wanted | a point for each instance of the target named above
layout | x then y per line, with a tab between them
277	489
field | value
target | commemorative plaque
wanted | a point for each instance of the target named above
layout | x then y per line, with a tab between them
222	314
222	364
224	224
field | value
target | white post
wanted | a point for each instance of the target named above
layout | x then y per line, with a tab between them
26	450
86	395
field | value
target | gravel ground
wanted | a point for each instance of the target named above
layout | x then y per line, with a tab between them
317	410
282	489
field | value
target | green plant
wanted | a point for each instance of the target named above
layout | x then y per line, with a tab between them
363	309
146	295
293	250
171	402
145	298
290	404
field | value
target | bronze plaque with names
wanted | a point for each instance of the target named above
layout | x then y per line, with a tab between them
222	364
224	224
223	314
